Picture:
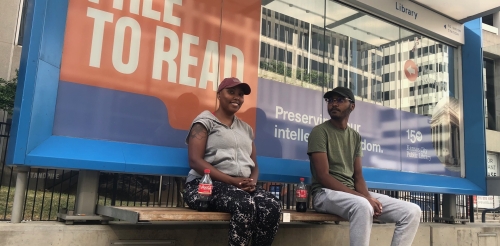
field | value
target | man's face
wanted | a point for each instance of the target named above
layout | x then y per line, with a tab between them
339	107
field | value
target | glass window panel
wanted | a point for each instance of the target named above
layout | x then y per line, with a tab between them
369	56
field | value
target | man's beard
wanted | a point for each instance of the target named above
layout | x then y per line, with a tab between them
341	115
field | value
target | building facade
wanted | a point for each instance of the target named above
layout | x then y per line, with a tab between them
491	78
10	37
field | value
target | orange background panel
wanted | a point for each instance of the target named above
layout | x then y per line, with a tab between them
234	22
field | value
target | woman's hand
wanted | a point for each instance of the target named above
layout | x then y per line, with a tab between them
250	186
246	184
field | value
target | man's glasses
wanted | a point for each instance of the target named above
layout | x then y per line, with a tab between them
339	100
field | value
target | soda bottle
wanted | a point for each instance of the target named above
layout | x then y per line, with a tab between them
205	191
301	197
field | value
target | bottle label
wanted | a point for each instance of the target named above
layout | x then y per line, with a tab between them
301	193
205	189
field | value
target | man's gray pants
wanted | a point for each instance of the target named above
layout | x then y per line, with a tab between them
359	212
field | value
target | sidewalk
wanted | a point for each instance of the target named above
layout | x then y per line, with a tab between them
215	234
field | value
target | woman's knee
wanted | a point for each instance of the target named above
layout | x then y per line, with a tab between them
274	204
245	206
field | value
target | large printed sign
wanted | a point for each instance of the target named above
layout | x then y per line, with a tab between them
415	16
176	51
491	165
391	139
140	71
488	202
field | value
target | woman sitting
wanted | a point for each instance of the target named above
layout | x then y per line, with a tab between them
221	142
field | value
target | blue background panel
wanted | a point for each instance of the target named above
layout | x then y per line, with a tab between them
473	104
33	143
108	156
21	118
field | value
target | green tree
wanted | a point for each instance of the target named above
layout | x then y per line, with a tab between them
7	93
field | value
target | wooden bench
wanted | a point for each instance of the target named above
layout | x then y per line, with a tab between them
162	214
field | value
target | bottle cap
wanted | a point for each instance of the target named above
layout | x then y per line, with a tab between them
301	179
207	170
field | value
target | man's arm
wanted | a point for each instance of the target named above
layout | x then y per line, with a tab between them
319	161
360	186
359	180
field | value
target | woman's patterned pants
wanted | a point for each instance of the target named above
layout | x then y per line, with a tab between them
253	215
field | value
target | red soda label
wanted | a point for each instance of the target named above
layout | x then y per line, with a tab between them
301	193
205	189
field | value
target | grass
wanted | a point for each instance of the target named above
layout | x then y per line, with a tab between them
34	208
37	211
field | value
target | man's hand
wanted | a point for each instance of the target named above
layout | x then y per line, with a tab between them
377	206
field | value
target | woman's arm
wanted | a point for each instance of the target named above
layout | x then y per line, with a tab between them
255	171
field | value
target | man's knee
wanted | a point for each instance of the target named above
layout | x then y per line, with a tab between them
362	207
414	211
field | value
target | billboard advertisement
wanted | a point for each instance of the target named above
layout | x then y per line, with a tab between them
391	139
117	84
168	55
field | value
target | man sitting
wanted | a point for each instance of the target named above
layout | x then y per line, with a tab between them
338	185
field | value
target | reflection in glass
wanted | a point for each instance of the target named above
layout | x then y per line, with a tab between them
320	44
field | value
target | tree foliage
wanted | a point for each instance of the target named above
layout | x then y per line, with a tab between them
7	93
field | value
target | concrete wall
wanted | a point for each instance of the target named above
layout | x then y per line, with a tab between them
9	51
208	234
491	45
492	143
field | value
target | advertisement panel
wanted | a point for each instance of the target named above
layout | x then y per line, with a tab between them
391	139
139	72
154	64
121	82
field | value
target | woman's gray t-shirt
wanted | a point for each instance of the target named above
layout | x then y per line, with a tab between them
228	148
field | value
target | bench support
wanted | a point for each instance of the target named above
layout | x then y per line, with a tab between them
86	192
86	200
450	210
19	195
449	205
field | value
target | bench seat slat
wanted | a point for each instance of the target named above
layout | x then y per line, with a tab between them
185	214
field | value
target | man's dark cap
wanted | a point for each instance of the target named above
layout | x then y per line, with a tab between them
343	91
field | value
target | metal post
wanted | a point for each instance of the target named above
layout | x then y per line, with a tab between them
437	206
114	189
17	207
86	192
471	208
159	191
450	208
449	205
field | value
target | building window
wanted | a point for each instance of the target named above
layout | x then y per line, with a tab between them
22	22
489	82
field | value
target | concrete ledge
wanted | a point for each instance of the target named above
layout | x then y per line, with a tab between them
215	233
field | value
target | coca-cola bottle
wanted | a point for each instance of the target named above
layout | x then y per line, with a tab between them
205	191
301	197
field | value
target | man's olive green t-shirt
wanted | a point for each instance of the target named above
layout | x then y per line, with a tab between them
341	148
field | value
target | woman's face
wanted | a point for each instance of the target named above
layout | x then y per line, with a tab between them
231	99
